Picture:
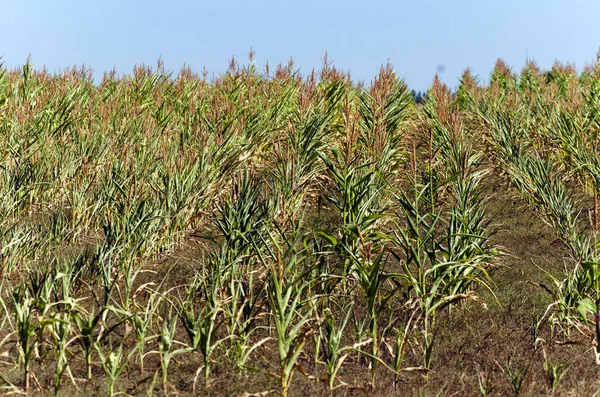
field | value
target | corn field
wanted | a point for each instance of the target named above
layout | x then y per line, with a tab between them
271	233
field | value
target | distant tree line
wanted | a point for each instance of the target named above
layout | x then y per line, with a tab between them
419	96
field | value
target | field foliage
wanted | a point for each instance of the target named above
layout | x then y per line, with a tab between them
162	232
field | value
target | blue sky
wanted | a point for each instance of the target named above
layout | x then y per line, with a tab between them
416	36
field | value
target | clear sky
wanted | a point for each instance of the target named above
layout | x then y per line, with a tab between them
416	36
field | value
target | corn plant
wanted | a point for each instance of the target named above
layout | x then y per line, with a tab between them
201	324
61	330
114	363
26	327
384	111
87	324
286	293
331	337
291	333
240	219
441	266
359	205
166	346
588	306
515	375
399	349
141	321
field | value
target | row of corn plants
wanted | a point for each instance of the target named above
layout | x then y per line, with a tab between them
542	131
